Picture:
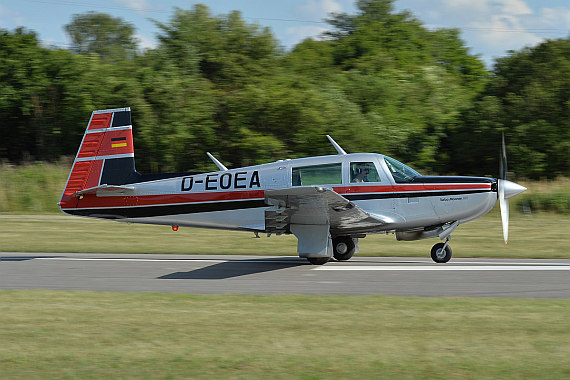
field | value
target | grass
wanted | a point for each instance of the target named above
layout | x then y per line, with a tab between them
545	195
535	236
89	335
32	188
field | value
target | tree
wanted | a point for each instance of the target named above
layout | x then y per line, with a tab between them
527	98
46	96
410	84
228	50
109	37
23	85
380	82
176	124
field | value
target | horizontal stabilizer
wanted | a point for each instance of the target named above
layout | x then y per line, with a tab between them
107	191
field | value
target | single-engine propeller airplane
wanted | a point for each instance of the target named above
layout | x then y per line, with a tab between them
327	202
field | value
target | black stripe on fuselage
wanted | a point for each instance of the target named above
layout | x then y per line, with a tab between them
451	179
150	211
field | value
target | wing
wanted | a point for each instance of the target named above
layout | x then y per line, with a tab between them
320	205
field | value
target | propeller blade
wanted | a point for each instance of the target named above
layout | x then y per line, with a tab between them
504	205
506	190
503	162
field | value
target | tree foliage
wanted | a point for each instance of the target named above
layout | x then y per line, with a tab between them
528	99
109	37
377	81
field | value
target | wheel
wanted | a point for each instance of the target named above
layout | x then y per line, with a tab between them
343	248
318	260
439	255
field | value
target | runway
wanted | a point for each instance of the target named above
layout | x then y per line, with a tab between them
402	276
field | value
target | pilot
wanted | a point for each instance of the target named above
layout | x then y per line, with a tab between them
362	171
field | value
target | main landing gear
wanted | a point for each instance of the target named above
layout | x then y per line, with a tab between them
441	252
343	248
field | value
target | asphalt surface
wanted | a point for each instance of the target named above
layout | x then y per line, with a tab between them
400	276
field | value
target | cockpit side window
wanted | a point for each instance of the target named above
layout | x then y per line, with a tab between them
400	172
363	172
317	175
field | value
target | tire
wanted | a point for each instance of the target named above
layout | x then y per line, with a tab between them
318	260
438	256
343	248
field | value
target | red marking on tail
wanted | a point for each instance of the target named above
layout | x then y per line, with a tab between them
84	174
107	148
100	121
90	146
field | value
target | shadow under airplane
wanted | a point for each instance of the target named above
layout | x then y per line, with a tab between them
236	268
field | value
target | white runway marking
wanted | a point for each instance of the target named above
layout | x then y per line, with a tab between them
131	260
498	263
443	268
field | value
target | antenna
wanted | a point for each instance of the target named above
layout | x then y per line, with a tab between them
218	163
336	146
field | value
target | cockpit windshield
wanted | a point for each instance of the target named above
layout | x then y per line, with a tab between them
400	172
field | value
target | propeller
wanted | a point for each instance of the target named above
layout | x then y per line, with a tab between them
506	190
504	205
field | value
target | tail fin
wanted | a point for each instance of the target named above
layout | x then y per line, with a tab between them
106	155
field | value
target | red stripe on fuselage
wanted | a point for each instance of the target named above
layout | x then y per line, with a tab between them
93	201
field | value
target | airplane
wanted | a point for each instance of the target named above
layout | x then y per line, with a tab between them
328	202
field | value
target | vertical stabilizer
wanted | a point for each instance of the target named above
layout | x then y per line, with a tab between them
106	155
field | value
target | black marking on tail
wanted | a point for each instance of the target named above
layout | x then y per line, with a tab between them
121	119
118	171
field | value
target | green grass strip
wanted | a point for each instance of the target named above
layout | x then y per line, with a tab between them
90	335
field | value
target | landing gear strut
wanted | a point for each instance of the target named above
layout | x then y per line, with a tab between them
441	252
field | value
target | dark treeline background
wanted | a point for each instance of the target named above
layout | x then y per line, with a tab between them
379	82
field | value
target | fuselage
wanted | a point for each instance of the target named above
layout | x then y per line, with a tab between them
234	199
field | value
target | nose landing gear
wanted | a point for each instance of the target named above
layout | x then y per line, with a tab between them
441	252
